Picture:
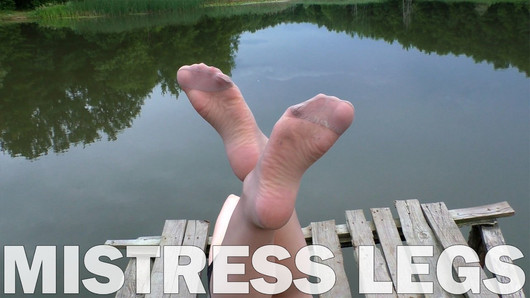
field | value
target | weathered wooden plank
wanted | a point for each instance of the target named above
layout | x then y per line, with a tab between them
129	287
491	236
196	235
172	234
474	215
324	234
417	232
448	234
361	235
462	217
389	239
140	241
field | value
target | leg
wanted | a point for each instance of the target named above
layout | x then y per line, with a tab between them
303	134
218	100
289	237
209	90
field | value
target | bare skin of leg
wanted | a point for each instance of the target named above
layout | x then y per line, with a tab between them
219	101
317	123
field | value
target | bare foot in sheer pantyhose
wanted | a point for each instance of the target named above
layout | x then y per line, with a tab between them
218	100
303	134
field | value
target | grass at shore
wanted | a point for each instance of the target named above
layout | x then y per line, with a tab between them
98	8
94	8
110	8
84	9
9	16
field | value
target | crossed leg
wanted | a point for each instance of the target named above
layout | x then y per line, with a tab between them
219	101
271	169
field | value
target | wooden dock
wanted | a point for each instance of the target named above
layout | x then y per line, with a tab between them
430	224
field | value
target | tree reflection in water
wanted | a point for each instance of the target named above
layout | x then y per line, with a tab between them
62	87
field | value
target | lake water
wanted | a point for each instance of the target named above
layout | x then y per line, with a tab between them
99	143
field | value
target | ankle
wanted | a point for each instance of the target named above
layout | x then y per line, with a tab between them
268	208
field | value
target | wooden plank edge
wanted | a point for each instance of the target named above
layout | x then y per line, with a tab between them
484	215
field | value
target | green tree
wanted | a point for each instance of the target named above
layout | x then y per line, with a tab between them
7	4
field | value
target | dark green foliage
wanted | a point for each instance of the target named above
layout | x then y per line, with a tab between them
26	4
112	7
7	5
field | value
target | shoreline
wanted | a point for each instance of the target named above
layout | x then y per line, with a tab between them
32	16
29	16
8	17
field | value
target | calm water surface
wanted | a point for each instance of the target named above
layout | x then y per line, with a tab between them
99	143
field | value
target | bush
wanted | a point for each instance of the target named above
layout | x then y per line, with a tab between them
25	4
7	5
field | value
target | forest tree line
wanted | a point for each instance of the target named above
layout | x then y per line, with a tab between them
25	4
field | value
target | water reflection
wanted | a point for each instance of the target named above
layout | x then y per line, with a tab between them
60	88
74	85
